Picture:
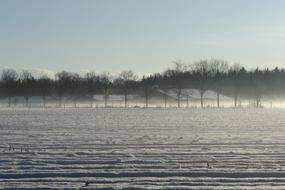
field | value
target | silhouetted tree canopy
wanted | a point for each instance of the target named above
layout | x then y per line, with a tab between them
217	75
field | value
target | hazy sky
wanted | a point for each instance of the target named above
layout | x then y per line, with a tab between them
143	35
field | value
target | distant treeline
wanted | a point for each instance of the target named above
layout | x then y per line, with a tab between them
216	75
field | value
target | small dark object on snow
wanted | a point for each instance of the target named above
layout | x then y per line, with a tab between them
86	183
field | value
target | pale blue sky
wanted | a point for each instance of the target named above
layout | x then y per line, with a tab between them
143	35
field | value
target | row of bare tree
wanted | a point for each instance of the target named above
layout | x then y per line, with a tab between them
214	74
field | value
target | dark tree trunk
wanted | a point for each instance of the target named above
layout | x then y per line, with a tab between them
187	101
60	101
44	101
105	101
218	99
201	98
126	100
179	97
27	101
146	101
106	96
257	100
235	100
9	101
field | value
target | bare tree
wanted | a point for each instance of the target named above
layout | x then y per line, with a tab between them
147	88
27	85
218	69
63	85
9	78
76	88
92	84
235	74
257	85
201	70
126	80
45	87
176	77
105	82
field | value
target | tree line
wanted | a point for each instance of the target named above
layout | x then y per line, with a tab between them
234	81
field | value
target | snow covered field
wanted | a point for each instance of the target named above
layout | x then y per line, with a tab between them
142	148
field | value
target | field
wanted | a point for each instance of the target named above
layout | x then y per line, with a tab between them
142	148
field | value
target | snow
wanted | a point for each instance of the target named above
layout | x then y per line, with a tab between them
116	148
